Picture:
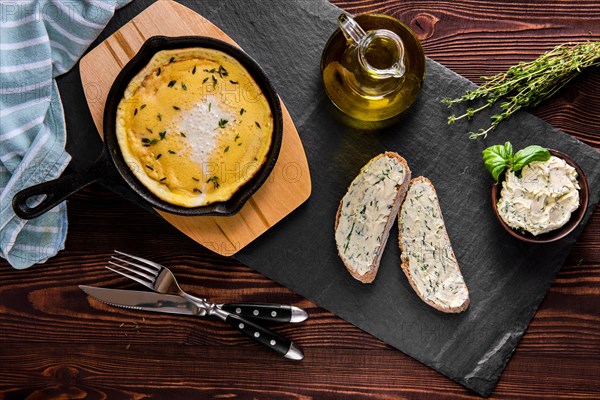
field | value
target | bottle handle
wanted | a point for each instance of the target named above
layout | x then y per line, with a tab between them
351	30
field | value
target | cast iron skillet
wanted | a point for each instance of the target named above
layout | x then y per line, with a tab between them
111	164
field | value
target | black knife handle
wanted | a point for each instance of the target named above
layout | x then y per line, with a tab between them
270	339
266	312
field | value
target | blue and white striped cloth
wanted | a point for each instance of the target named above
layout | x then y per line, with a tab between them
39	40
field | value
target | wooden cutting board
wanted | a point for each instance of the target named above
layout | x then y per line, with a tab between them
287	187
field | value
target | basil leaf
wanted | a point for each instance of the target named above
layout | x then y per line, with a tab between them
529	154
497	158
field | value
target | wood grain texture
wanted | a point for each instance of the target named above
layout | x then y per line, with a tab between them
286	188
57	343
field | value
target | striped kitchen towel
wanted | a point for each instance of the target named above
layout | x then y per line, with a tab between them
39	40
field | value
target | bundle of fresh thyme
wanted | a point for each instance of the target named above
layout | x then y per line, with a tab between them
527	84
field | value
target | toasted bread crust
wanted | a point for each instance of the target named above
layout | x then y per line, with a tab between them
406	264
403	188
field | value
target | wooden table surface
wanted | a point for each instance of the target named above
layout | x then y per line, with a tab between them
57	343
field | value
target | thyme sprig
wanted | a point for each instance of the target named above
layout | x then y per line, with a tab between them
528	84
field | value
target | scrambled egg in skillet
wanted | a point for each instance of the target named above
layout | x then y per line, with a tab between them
194	126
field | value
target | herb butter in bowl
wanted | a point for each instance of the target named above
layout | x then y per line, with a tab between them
540	196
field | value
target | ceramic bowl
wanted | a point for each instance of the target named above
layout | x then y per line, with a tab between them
556	234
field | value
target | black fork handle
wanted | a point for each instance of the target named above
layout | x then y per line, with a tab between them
279	344
266	312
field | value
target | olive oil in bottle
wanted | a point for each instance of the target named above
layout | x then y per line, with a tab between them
373	69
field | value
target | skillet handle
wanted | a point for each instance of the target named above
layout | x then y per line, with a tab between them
56	191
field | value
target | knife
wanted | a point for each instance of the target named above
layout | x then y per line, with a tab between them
173	304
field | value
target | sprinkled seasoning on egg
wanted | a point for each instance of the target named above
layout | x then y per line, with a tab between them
182	116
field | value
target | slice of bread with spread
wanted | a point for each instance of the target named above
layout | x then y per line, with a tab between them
367	212
427	257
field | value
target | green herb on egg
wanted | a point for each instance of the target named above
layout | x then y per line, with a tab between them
172	152
159	156
163	179
135	112
142	106
234	82
182	134
172	83
222	71
215	181
194	70
205	80
159	116
242	111
149	167
148	142
214	81
158	72
257	124
222	123
149	130
176	108
226	149
184	86
171	60
162	134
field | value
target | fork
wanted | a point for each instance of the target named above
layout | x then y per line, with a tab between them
161	280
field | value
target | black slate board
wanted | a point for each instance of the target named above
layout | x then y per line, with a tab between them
507	279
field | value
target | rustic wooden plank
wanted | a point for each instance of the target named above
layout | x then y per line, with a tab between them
137	371
56	342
